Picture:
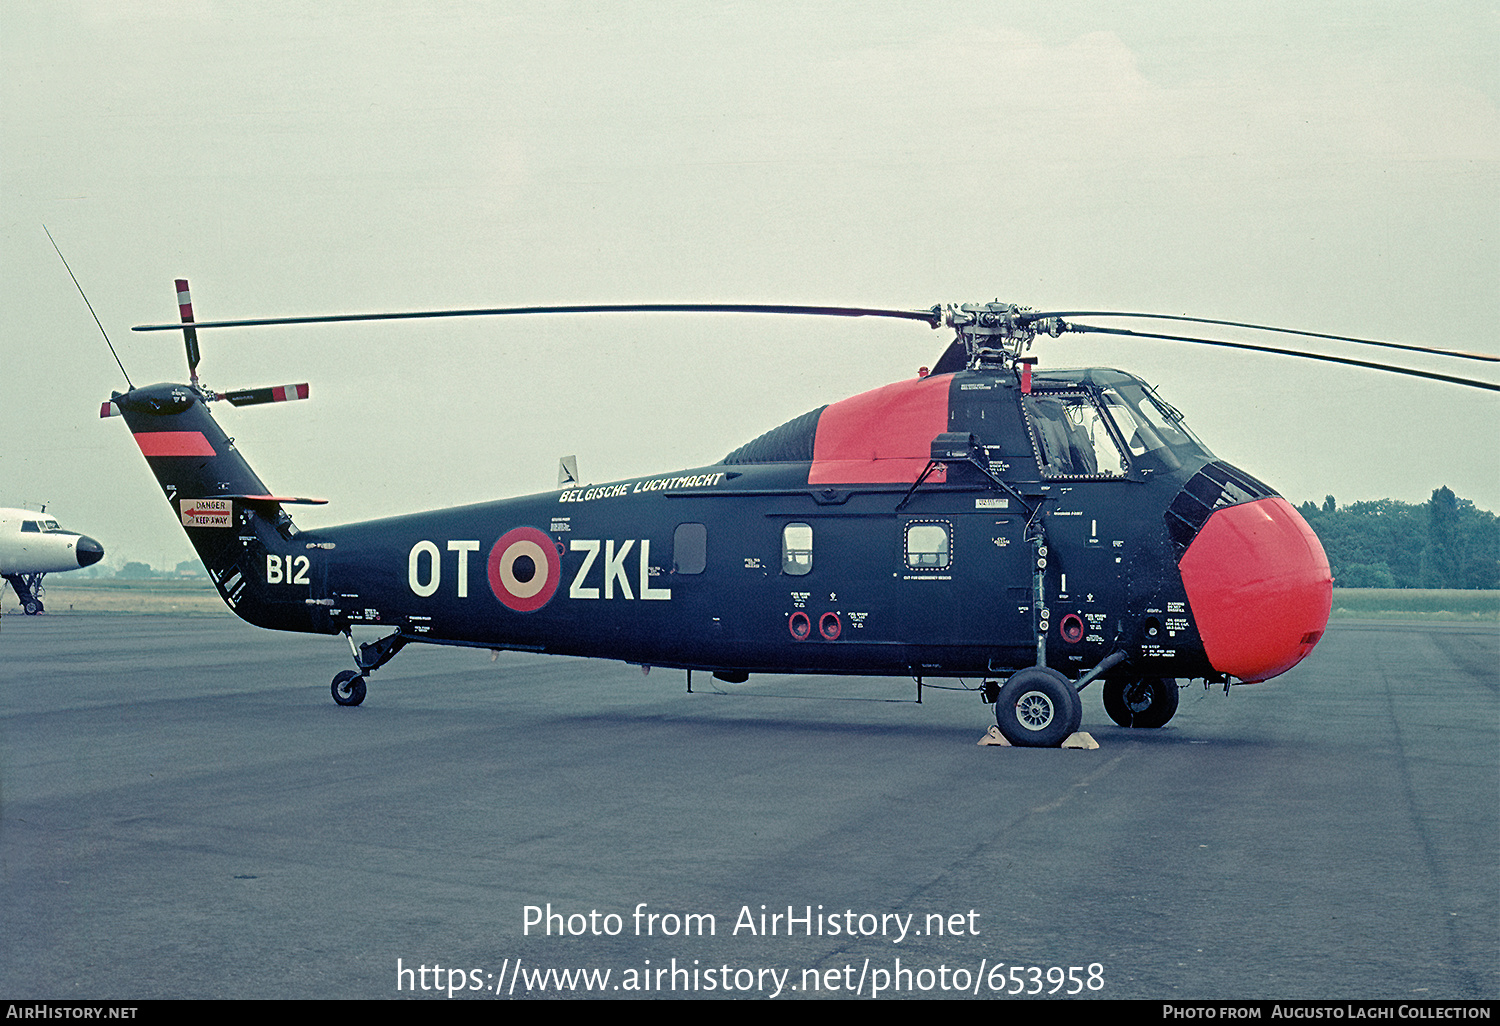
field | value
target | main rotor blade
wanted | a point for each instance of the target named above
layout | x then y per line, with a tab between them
1450	379
932	317
1459	354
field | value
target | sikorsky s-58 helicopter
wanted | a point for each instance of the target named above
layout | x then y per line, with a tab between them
1038	530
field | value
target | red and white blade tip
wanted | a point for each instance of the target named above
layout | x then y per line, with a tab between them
256	396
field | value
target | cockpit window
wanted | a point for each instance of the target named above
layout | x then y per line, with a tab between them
1072	436
31	527
1140	437
1135	407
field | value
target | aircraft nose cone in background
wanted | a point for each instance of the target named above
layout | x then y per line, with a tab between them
88	551
1259	586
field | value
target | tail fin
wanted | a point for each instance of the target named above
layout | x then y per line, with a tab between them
244	537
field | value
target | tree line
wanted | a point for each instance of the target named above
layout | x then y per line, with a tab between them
1445	542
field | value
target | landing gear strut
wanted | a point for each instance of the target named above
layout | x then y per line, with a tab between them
28	591
349	686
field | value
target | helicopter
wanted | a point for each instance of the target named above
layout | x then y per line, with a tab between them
32	545
1037	529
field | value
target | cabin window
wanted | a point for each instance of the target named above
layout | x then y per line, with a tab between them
31	527
796	549
689	549
929	545
1072	436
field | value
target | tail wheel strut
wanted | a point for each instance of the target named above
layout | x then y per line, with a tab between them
349	685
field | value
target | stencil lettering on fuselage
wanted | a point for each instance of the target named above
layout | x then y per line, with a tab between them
287	569
615	578
524	568
424	566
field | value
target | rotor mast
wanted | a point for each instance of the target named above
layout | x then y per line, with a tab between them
997	334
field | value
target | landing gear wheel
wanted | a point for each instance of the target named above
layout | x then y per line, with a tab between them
33	607
1141	702
348	688
1038	708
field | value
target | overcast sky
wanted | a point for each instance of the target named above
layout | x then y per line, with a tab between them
1328	166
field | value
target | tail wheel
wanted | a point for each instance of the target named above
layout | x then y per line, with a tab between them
348	688
1141	702
1038	708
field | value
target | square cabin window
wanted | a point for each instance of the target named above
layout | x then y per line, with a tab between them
929	545
796	549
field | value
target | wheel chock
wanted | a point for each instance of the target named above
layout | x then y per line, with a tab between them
994	737
1082	739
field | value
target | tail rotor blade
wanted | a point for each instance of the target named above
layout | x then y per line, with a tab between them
257	396
189	333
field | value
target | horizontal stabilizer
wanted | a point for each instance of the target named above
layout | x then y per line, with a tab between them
256	396
284	499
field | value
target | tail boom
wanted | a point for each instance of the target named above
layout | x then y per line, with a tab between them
236	524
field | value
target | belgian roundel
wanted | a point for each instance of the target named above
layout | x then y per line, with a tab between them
524	569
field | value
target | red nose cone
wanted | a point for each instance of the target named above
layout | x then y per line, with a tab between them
1260	588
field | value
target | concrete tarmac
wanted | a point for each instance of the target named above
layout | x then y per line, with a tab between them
184	812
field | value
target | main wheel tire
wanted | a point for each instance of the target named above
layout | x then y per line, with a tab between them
1141	701
33	607
348	688
1038	708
